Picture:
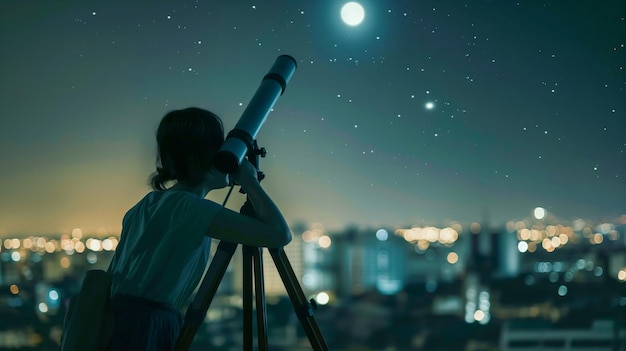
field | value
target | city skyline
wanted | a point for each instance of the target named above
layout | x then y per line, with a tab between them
460	283
424	112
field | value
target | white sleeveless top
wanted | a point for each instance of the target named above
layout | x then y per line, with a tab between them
164	247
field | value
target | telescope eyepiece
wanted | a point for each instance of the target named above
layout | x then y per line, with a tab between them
226	162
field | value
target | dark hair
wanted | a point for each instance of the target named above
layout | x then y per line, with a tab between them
187	140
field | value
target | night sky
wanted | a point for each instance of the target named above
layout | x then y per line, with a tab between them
528	107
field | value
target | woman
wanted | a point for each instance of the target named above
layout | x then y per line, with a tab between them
165	241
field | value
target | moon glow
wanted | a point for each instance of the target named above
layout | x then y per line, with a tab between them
352	13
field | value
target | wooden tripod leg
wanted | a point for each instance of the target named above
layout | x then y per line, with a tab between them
197	310
248	337
259	293
253	269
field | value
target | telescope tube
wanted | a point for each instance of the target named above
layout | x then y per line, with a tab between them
240	140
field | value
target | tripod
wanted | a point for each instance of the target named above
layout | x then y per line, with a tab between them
252	259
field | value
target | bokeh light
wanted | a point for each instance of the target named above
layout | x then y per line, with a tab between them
539	213
452	257
324	241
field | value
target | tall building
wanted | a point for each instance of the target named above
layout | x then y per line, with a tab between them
505	254
370	259
274	285
318	261
476	287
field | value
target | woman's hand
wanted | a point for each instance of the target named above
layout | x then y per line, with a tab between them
246	174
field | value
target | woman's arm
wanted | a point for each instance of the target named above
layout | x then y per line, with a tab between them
267	229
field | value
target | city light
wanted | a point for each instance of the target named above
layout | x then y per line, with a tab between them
27	243
94	244
382	235
559	256
475	228
452	257
43	308
522	246
324	241
539	213
597	238
322	298
53	294
550	237
14	289
424	236
77	233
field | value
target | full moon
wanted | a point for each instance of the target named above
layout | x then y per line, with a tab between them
352	13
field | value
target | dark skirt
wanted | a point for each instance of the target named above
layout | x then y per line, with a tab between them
144	325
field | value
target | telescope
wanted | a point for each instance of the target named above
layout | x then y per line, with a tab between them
239	143
240	140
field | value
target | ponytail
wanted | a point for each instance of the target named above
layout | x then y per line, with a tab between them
159	178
